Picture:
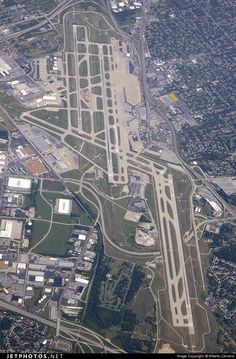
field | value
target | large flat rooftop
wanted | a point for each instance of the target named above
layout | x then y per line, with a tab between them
21	183
64	206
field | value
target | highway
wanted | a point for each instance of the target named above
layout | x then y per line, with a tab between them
62	6
81	332
102	222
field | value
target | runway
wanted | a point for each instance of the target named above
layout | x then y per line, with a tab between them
173	252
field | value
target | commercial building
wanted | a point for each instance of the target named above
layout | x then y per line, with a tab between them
20	152
218	211
37	267
65	264
6	229
24	152
11	229
22	184
51	99
21	267
81	280
23	88
36	276
64	206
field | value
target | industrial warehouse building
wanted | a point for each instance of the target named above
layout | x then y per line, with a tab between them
63	206
19	184
11	229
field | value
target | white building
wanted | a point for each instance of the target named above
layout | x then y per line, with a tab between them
51	99
82	237
6	229
81	280
216	208
11	229
19	183
64	206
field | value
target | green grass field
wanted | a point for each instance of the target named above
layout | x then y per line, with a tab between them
117	191
108	92
93	49
43	5
98	121
43	209
96	154
105	50
72	186
32	302
56	241
74	118
115	163
67	219
73	141
84	105
39	229
86	121
94	64
83	83
95	80
52	196
98	36
101	136
99	103
111	120
112	136
149	193
73	100
72	84
97	90
47	128
73	174
80	33
53	185
71	64
81	48
109	103
83	68
5	121
55	118
11	105
106	63
117	228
